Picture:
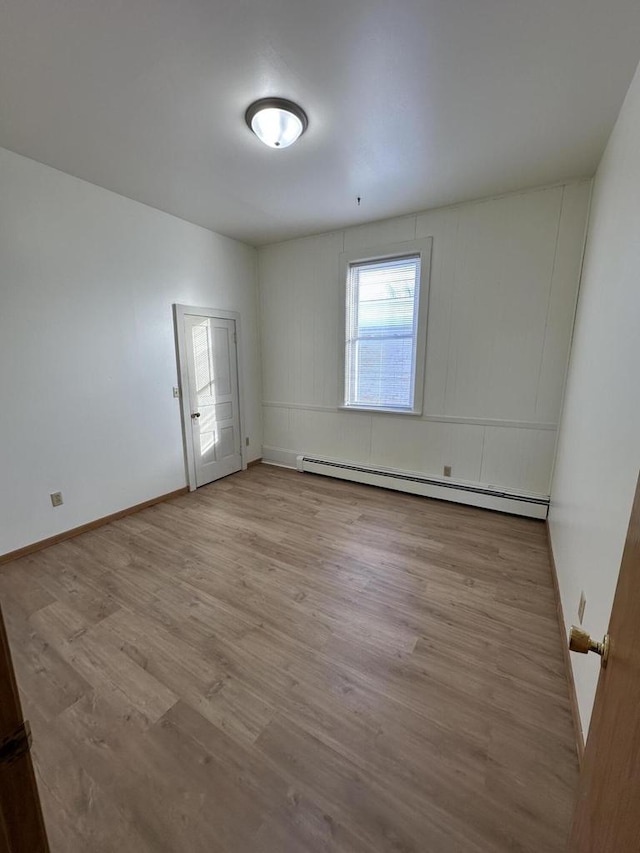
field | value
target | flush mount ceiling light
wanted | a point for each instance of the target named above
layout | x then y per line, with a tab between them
276	122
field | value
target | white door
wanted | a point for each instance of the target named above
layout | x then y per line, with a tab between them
214	411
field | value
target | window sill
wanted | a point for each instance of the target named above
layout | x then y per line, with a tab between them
381	411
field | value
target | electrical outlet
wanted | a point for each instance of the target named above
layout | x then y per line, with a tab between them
581	607
447	470
176	391
56	498
246	441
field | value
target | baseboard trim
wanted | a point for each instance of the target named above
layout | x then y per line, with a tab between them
90	525
279	456
253	462
573	697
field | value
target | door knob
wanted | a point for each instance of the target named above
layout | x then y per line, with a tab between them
195	415
580	641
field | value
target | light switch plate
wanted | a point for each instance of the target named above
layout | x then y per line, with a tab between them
56	498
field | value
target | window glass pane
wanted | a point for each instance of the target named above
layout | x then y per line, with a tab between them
384	376
382	313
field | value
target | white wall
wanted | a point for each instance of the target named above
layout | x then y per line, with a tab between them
504	280
87	357
599	444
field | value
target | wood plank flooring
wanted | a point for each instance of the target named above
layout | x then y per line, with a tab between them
283	663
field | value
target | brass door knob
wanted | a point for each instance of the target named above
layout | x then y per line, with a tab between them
580	641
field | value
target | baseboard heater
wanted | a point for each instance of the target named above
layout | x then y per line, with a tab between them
532	506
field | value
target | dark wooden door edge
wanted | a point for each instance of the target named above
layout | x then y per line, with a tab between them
573	697
91	525
22	827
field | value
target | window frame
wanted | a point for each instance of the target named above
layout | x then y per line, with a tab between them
386	253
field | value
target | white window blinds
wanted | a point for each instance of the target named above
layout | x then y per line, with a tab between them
381	332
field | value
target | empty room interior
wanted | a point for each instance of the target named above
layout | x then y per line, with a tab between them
320	426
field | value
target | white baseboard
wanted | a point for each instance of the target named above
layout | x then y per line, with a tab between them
278	456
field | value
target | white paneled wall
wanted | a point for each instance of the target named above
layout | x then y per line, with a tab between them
599	447
504	282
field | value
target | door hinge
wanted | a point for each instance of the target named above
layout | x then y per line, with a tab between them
15	745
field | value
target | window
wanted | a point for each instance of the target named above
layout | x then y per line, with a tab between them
384	333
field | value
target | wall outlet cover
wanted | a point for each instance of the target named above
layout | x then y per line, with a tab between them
581	606
447	470
56	498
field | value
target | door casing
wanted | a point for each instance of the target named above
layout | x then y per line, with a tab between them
179	313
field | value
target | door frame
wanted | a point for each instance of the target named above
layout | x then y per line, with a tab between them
179	313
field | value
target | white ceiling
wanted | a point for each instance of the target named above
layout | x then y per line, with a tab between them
412	103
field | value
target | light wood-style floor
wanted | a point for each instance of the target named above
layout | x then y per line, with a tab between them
283	662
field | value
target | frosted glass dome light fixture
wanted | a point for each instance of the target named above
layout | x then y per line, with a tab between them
276	122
